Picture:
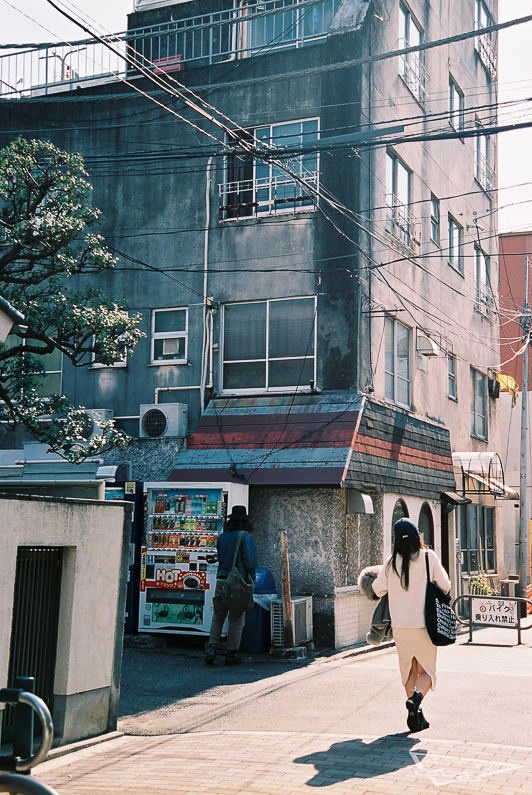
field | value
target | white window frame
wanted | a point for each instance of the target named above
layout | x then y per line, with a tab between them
484	300
411	67
452	385
397	378
484	171
479	404
456	105
177	334
13	341
262	188
435	219
267	359
400	221
477	539
456	241
484	42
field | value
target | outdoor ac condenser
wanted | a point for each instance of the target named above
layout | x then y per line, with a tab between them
301	616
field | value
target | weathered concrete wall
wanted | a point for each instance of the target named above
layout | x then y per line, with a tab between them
95	538
327	548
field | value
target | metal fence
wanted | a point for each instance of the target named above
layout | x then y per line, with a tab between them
243	32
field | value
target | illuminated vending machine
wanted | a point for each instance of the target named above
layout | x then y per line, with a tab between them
178	560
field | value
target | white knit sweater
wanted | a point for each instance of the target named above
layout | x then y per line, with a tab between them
407	607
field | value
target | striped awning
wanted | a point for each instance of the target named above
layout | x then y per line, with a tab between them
320	439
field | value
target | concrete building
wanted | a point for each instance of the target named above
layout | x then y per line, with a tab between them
302	199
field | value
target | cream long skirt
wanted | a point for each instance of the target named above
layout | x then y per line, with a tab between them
416	643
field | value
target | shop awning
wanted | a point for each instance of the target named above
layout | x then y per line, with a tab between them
483	473
320	439
282	440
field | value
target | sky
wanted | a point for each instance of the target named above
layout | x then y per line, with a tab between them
24	21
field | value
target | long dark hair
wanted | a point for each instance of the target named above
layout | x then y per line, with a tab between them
408	542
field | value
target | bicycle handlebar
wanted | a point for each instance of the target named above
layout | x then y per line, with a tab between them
13	695
22	785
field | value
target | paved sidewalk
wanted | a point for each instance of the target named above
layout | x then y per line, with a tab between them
336	724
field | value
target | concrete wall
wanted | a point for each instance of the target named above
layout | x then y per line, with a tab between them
327	548
95	539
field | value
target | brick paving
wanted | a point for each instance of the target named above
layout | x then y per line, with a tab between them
283	763
306	729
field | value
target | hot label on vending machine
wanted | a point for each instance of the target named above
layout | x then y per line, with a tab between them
178	561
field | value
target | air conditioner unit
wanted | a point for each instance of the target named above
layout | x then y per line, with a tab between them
160	420
93	418
301	619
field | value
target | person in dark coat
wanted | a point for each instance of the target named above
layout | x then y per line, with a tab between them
247	564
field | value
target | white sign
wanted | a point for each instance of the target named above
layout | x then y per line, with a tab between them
494	612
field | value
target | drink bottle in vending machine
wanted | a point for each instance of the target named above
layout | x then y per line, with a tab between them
178	560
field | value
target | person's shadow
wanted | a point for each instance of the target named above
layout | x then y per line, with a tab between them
358	758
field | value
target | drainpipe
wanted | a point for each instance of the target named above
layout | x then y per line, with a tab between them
207	353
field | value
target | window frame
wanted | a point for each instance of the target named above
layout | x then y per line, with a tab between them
435	219
256	188
412	68
456	97
400	220
54	373
484	171
477	539
452	380
393	378
455	249
178	334
484	300
478	404
269	359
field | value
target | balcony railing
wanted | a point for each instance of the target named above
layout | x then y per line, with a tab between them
267	196
402	223
243	32
415	75
484	300
485	173
486	53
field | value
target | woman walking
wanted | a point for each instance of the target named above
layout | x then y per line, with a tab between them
404	578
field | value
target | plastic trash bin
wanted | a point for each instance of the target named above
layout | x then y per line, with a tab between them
256	635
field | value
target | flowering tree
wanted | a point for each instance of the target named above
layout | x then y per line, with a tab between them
45	245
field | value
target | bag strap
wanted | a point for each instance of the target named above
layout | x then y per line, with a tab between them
237	545
427	565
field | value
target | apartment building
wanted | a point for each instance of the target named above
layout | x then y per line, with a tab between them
301	195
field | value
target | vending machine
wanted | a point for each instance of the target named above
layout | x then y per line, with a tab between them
178	560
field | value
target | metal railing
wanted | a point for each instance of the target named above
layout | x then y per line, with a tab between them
11	781
503	612
402	223
250	29
272	195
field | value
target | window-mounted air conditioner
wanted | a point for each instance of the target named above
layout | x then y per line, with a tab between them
301	620
160	420
93	419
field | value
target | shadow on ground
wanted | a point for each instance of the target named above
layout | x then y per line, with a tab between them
160	671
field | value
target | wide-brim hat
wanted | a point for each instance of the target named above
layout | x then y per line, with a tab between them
405	528
239	512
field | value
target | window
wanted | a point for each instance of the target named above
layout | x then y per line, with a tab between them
477	538
397	364
272	25
434	219
484	42
257	187
484	172
169	336
426	525
456	106
456	234
479	421
400	221
48	365
451	377
122	362
484	303
411	67
400	511
269	345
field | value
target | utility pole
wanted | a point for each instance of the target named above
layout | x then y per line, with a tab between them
524	520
